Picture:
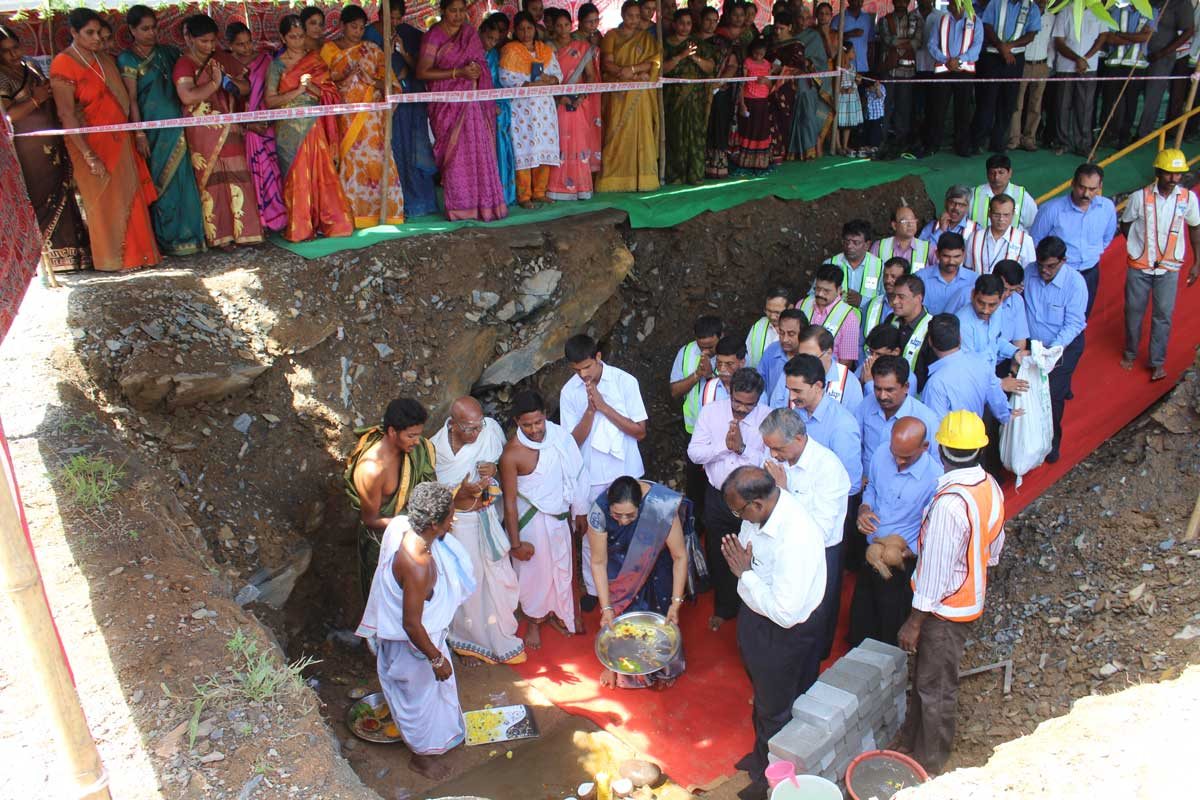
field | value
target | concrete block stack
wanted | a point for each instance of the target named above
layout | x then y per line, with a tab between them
856	705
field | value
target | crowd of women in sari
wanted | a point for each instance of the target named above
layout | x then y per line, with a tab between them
180	190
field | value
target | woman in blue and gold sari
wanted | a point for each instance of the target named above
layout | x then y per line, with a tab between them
146	69
640	562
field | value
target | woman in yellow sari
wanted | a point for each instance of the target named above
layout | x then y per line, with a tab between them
312	192
356	66
630	153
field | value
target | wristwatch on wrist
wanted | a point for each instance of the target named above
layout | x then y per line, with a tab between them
438	663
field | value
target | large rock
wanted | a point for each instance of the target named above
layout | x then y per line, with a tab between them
273	587
150	381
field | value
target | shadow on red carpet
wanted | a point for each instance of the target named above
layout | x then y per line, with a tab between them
699	727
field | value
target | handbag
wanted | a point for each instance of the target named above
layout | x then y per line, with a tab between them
698	579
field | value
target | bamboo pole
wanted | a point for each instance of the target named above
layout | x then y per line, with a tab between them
1193	526
385	173
1188	107
22	583
662	107
837	79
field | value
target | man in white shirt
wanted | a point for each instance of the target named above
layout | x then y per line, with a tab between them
1028	114
726	437
812	474
778	560
1155	260
1076	56
1001	240
601	406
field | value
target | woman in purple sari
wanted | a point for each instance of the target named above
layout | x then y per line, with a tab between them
452	60
638	533
259	136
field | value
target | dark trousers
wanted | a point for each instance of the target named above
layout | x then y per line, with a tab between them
719	522
898	114
931	719
696	490
782	664
1152	93
880	605
1060	384
920	101
831	603
995	102
1120	126
956	89
1076	101
854	544
1092	278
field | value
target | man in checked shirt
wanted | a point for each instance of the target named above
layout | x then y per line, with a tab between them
961	536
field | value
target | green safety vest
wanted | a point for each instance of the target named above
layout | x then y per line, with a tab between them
871	282
758	341
980	200
913	347
691	401
920	252
837	317
873	315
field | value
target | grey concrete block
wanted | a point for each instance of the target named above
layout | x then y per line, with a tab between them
820	715
886	663
858	685
870	672
838	698
898	656
826	762
802	744
867	743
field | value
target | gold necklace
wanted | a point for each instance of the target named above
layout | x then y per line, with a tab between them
93	65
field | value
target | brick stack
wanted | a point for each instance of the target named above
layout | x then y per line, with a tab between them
856	705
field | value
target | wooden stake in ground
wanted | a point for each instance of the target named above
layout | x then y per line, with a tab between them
837	79
385	175
1193	526
22	583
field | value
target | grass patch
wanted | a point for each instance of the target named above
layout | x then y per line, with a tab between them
84	424
91	481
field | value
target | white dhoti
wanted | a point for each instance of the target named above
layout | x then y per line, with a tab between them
589	582
546	577
485	625
425	709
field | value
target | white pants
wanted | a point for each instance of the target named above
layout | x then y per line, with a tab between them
545	579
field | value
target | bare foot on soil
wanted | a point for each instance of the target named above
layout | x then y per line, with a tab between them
533	636
432	767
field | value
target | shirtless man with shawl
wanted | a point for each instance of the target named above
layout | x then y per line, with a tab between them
468	447
541	476
422	578
389	461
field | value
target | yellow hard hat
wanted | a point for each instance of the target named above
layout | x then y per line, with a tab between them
962	430
1171	160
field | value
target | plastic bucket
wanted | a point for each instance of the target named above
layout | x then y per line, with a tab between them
779	772
806	787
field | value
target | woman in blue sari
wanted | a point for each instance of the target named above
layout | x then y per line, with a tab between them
640	562
412	152
146	69
506	155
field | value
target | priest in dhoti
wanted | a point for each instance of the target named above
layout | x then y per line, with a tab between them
544	490
422	578
468	448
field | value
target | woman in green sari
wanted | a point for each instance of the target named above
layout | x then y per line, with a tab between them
146	69
686	104
812	122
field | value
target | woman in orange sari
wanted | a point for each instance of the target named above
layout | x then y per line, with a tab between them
228	205
112	178
312	192
357	69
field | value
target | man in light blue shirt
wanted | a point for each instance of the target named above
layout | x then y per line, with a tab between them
860	32
980	326
1013	319
889	401
901	481
770	366
1085	221
948	285
963	381
1056	303
955	218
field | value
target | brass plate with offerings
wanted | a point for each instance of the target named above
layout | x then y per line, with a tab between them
638	643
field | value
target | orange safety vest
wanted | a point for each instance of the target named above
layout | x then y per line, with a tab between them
985	512
1151	256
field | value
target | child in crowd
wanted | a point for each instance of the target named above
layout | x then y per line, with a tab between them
751	143
872	136
849	107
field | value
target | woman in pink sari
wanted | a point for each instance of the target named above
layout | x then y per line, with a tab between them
452	59
259	136
578	130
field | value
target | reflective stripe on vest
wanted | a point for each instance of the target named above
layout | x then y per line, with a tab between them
985	515
837	315
1011	249
837	389
710	391
918	253
912	348
758	342
1018	28
1152	256
874	313
968	38
1128	55
691	402
872	274
981	202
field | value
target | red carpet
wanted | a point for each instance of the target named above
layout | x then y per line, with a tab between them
696	729
699	727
